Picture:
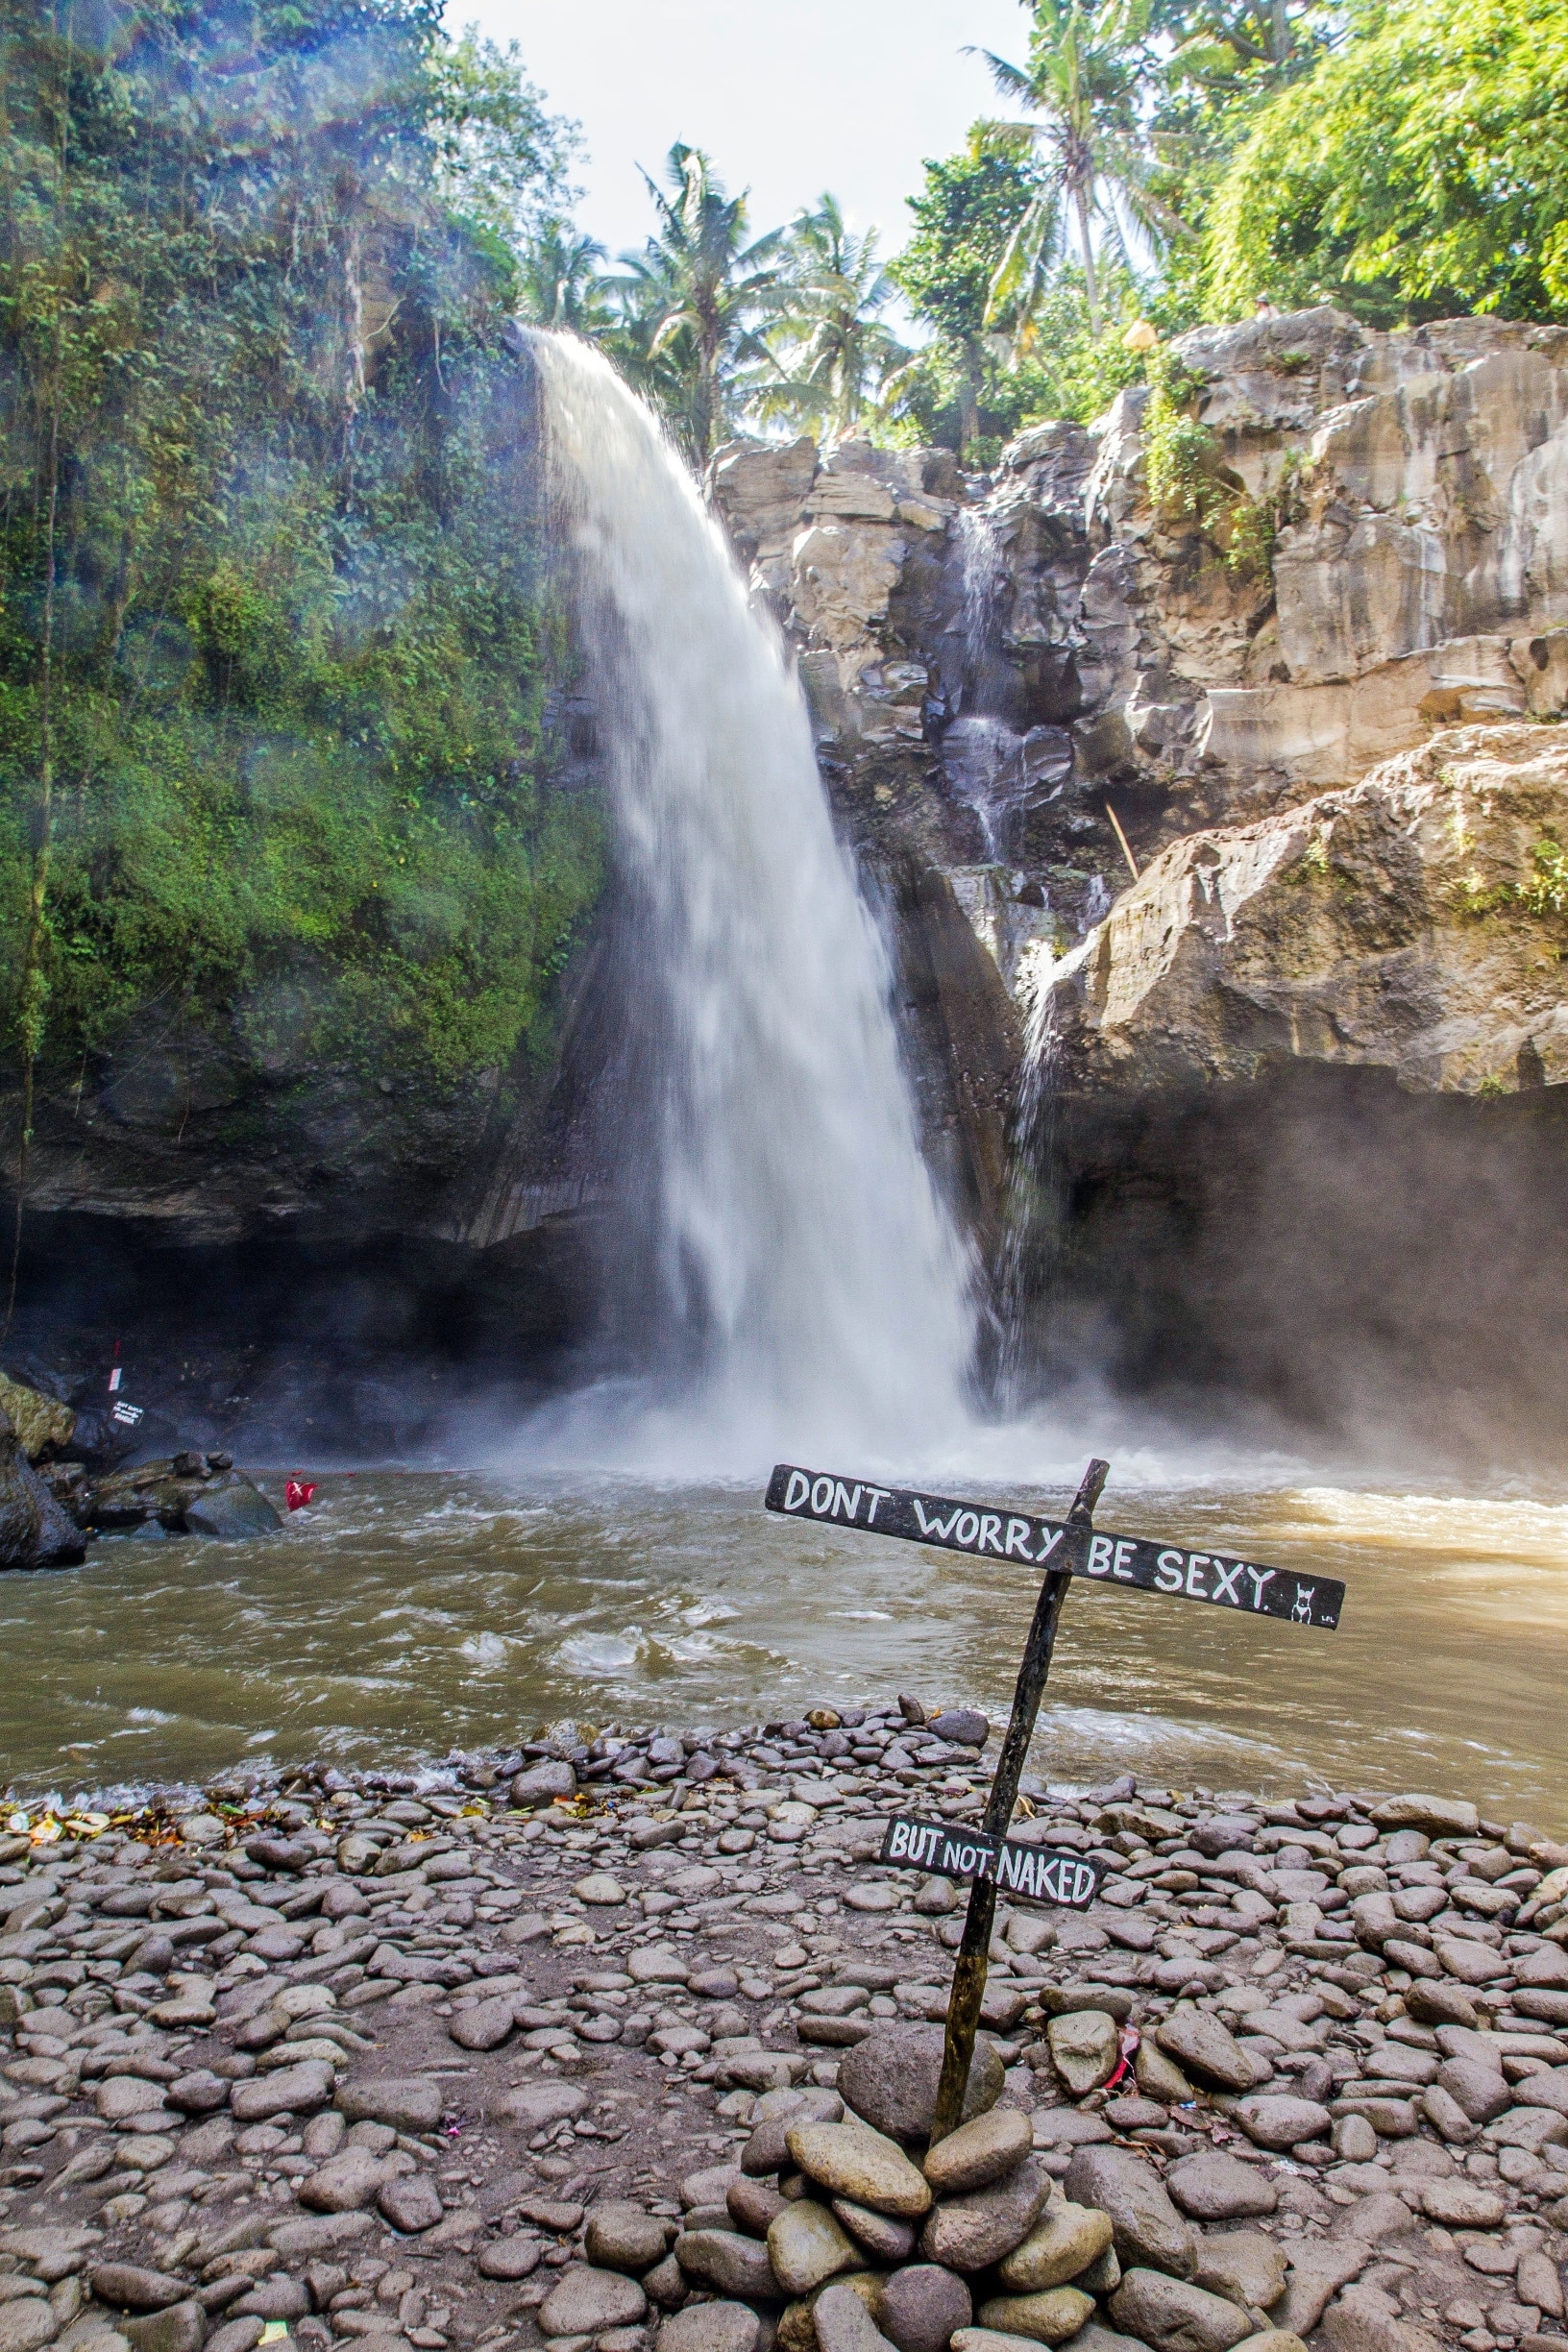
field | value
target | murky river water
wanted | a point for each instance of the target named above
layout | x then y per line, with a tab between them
408	1611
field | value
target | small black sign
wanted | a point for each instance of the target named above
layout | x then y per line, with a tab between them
996	1532
1034	1874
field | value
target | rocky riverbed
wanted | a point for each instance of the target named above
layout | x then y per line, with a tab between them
613	2041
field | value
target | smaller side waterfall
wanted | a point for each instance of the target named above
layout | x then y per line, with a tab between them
802	1261
998	766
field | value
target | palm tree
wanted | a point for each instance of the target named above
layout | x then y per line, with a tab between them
560	282
834	351
1081	87
696	295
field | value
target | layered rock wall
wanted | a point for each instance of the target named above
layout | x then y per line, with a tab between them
1000	668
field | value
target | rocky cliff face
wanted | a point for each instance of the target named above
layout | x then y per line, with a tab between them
1414	923
997	667
1312	696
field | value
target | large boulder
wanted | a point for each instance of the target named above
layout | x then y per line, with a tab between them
891	2079
35	1532
1404	924
189	1494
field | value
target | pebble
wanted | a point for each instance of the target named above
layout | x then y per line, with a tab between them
1204	2049
1462	2204
1063	2241
727	2262
538	2105
1174	2315
482	2024
891	2078
1085	2049
888	2240
26	2324
411	2203
970	2233
1148	2229
181	2328
127	2286
1276	2121
979	2152
291	2090
585	2302
842	2323
806	2245
921	2305
600	1888
860	2165
711	2327
343	2184
1244	2265
516	2257
989	2339
1215	2187
622	2237
1051	2316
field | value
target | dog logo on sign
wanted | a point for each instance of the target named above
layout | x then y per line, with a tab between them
1302	1613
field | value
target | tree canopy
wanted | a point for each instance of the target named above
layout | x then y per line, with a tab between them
1419	169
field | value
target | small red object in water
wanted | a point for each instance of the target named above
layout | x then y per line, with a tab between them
298	1492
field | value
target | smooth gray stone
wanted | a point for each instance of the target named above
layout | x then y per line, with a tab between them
921	2305
1148	2229
891	2078
1173	2315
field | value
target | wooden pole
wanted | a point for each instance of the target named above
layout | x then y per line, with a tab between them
974	1951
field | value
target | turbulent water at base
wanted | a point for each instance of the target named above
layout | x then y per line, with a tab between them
796	1232
407	1611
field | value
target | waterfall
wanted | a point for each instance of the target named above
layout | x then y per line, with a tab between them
795	1239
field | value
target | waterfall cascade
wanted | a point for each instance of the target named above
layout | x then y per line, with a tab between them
796	1239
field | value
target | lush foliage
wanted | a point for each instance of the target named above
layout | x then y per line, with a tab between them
832	351
1419	170
694	297
271	646
1081	91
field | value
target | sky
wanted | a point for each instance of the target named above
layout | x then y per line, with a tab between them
850	95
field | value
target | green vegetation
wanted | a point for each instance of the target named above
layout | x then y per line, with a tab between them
273	651
1418	170
1543	893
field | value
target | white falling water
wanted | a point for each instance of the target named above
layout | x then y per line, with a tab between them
798	1223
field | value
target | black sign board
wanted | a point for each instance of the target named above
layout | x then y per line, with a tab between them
1035	1873
997	1531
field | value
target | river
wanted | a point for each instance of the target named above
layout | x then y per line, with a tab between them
408	1611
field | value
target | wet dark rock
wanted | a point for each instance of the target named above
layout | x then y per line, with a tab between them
964	1726
35	1532
221	1504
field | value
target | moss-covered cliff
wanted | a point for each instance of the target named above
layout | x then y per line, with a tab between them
287	881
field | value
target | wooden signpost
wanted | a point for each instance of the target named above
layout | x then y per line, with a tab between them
1064	1547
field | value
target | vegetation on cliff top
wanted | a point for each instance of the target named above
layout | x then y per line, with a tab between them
272	649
